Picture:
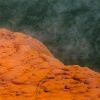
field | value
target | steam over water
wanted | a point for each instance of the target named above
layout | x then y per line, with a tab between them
69	28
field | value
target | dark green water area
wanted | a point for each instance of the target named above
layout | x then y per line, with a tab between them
69	28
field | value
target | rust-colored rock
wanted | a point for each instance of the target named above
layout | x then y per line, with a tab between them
28	71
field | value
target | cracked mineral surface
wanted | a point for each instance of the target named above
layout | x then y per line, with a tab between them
28	71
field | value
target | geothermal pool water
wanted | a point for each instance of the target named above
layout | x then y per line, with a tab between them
69	28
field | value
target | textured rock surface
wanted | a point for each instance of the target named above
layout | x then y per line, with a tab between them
28	71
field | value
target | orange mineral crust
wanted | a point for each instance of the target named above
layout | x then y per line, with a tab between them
28	71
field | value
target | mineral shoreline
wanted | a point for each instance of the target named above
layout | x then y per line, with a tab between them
28	71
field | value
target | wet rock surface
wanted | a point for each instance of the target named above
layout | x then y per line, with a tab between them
28	71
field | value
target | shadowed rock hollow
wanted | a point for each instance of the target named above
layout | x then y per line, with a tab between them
28	71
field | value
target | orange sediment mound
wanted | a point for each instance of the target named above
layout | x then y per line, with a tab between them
28	71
